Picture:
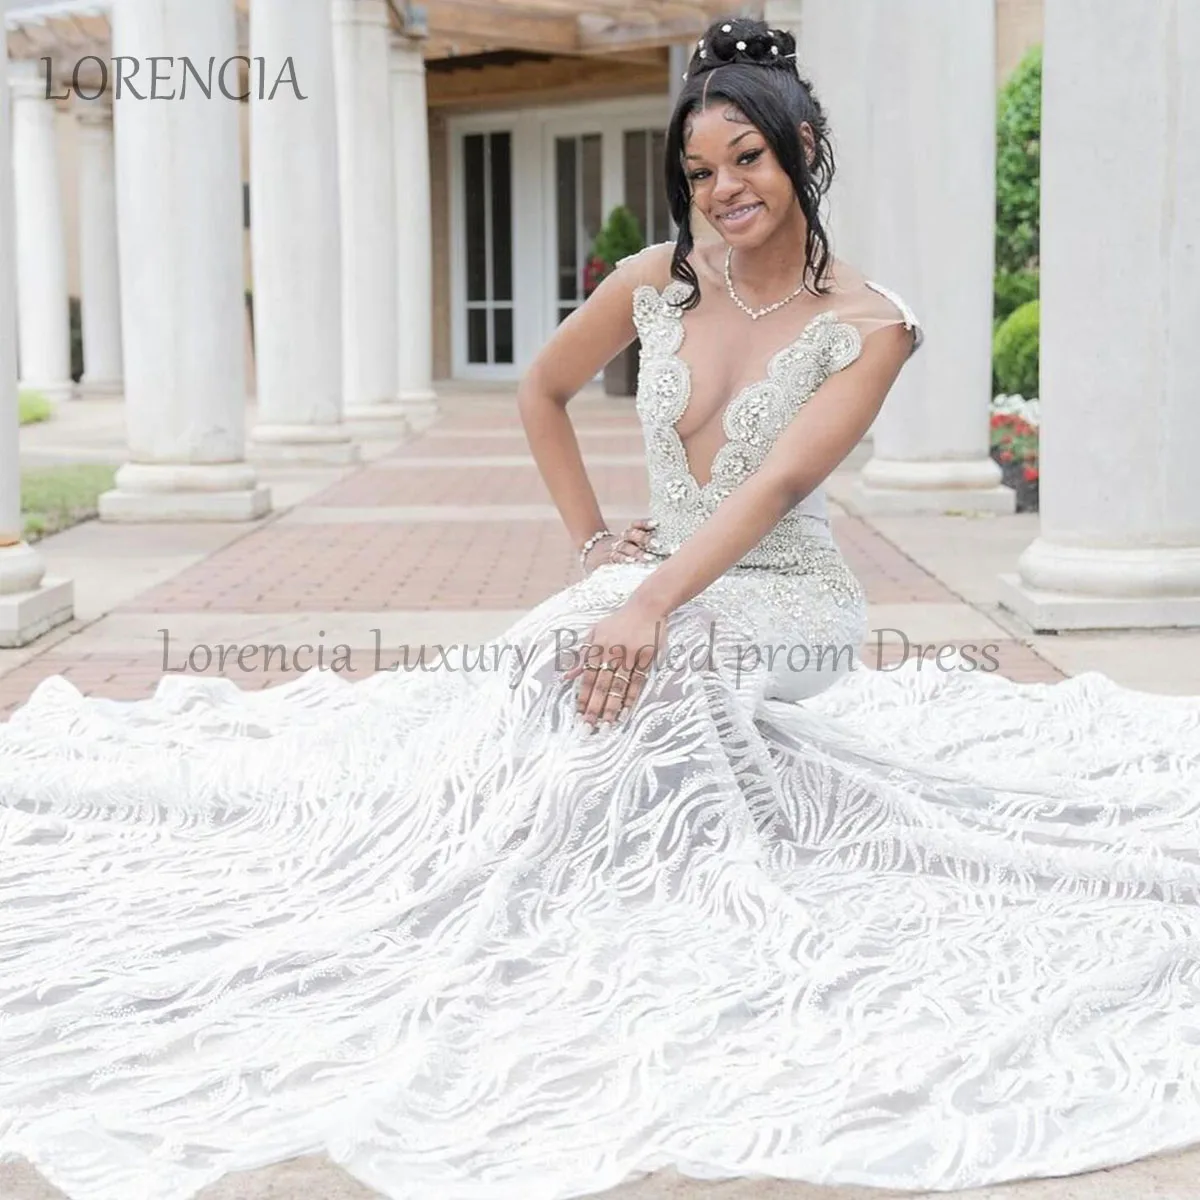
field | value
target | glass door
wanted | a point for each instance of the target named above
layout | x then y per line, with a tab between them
645	188
578	204
487	180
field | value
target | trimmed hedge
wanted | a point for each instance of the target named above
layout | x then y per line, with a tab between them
1015	352
1018	166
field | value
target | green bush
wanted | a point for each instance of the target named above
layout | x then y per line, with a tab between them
1015	352
1013	288
620	236
1018	166
33	407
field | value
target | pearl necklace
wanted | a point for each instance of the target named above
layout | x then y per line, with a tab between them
753	313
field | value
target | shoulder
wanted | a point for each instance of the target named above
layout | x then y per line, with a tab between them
651	265
871	306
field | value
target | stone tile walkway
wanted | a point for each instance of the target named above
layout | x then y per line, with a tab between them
448	536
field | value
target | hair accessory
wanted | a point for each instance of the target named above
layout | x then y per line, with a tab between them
775	50
741	45
684	77
703	53
700	44
726	28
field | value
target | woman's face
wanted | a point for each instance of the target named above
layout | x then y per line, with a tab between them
735	178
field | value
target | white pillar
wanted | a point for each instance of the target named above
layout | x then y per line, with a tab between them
414	231
296	241
179	207
30	603
369	285
1119	545
931	192
43	309
833	43
99	272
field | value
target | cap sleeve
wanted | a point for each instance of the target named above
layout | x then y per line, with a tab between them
870	306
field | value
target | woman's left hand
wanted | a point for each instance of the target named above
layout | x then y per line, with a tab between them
615	660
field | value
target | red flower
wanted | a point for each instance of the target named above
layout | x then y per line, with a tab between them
1030	473
1005	456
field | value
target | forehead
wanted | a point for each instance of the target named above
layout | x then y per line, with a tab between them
716	126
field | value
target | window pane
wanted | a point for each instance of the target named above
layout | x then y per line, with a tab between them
564	313
477	351
565	209
593	197
635	174
502	288
476	220
503	329
658	186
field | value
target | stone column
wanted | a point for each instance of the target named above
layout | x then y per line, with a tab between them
43	309
930	194
179	207
296	241
99	273
1119	544
30	602
369	286
414	231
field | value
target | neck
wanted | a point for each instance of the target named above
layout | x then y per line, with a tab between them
768	271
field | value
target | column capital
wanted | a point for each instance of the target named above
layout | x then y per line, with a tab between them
27	78
361	12
94	114
406	55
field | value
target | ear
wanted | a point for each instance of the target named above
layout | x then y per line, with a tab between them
809	141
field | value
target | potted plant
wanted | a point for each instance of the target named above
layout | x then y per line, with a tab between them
619	237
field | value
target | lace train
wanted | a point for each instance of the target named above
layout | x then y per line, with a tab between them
929	930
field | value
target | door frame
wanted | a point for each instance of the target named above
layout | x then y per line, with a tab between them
535	290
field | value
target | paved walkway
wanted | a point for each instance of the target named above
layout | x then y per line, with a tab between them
444	538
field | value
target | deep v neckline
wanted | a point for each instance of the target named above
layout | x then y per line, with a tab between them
827	316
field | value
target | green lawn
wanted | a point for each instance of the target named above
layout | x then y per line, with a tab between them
32	407
54	498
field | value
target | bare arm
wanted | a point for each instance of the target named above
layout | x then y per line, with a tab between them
592	335
818	438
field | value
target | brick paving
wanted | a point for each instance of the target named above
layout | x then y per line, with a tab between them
436	565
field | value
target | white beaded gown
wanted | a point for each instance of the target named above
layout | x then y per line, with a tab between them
914	929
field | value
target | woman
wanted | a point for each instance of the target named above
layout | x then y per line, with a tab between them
914	929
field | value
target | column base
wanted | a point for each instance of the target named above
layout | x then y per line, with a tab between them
317	444
58	391
185	492
420	407
30	603
99	389
1104	587
895	486
1055	612
389	412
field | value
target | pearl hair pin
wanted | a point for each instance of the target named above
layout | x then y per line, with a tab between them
752	313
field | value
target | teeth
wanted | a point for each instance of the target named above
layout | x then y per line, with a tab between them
738	212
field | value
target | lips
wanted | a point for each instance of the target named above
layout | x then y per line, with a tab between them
740	214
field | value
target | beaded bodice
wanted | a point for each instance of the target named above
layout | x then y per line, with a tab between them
752	420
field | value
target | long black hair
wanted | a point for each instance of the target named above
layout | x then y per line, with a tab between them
751	66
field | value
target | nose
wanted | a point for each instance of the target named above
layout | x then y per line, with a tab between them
727	185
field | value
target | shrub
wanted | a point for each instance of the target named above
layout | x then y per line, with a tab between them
1015	351
620	236
1013	288
1018	166
33	407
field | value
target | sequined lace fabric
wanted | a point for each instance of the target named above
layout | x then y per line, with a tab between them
928	929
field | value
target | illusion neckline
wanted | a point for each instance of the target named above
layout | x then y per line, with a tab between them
827	316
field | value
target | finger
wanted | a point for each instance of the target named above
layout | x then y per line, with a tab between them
587	652
598	697
636	686
616	697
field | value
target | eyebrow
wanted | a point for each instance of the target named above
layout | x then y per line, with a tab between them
732	141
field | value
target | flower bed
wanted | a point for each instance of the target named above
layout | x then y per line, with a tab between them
1014	445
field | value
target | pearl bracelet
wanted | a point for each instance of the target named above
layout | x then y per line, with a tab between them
598	536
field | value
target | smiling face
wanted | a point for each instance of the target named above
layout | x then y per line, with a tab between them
735	179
